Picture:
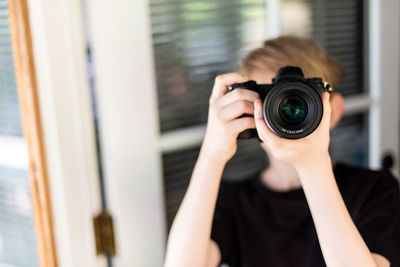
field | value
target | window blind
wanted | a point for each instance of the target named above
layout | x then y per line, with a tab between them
193	41
9	110
17	236
338	27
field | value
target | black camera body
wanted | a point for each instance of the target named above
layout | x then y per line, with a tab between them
292	104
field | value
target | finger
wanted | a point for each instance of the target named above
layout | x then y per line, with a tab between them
235	95
263	131
327	109
222	81
241	124
236	109
257	109
325	100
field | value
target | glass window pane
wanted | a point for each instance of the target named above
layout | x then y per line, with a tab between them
17	236
337	26
349	140
193	41
9	110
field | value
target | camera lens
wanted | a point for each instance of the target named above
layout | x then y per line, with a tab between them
293	109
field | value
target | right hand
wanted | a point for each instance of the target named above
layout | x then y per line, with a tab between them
224	124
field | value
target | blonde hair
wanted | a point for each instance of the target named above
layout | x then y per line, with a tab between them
294	51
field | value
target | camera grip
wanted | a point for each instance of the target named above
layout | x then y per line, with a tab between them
249	133
249	85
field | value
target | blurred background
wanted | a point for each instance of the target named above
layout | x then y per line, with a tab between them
124	88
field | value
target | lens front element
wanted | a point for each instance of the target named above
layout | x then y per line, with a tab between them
293	109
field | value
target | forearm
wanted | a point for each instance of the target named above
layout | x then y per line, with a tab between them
189	238
340	240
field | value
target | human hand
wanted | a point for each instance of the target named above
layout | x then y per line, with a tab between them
300	153
224	124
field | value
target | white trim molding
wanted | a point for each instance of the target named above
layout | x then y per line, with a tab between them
357	104
65	103
384	62
120	37
176	140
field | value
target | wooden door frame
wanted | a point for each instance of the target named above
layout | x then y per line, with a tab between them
32	129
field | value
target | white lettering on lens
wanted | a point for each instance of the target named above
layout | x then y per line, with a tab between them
292	131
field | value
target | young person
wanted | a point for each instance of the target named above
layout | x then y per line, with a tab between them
303	210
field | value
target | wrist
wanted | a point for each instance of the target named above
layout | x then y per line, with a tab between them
314	165
212	156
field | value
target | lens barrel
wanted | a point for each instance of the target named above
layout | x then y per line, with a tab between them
292	109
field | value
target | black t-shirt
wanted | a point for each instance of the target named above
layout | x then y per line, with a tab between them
255	226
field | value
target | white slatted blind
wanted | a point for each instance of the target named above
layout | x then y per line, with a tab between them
9	111
17	236
337	26
193	41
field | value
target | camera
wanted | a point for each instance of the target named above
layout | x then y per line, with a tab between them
292	104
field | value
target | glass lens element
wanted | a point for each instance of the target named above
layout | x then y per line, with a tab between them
293	109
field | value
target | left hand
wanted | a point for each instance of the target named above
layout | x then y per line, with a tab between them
303	152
